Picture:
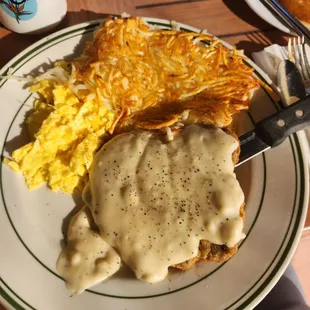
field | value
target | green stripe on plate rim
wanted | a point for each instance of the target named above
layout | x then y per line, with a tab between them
87	28
10	300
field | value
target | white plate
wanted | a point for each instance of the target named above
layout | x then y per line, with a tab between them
275	184
267	15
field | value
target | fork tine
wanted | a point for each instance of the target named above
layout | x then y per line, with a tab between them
302	58
297	53
306	60
289	50
297	56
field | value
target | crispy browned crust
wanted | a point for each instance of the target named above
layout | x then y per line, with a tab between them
200	110
210	252
213	252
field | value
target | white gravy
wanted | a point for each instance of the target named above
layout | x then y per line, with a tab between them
87	258
154	200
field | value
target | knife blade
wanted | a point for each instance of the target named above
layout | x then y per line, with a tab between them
251	145
273	130
290	82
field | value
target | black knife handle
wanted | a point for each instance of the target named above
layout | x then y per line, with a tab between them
275	128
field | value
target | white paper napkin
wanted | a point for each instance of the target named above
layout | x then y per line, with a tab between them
268	60
270	57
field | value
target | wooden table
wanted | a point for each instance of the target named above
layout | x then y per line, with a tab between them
228	19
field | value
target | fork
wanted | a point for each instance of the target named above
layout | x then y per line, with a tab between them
297	53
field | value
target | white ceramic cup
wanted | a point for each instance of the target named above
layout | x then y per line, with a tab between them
32	16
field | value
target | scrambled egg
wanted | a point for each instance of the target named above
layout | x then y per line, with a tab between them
66	132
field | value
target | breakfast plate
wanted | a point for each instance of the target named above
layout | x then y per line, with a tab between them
267	15
32	222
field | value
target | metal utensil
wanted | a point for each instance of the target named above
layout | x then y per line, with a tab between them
273	130
288	18
290	83
297	53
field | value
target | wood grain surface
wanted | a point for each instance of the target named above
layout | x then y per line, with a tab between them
228	19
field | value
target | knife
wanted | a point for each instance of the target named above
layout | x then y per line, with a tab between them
273	130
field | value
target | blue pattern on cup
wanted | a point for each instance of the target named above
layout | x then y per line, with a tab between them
20	9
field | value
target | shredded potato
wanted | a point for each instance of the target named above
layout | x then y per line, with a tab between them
132	67
129	75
